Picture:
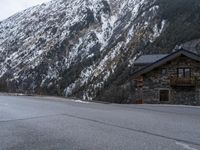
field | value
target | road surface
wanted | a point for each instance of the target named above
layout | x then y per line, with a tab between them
48	123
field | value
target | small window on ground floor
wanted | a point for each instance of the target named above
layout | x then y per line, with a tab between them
164	95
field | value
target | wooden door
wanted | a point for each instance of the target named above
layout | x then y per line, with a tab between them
164	95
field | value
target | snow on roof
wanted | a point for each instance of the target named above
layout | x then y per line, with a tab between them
148	59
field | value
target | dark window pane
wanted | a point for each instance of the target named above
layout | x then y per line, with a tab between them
187	73
180	72
164	71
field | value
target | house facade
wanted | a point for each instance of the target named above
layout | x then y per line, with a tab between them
168	79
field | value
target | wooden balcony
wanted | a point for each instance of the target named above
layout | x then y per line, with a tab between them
182	82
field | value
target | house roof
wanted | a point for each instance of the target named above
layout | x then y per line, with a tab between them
166	59
149	59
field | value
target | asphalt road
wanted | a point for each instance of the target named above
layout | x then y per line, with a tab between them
47	123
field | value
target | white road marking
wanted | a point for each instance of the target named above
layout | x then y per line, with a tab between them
185	146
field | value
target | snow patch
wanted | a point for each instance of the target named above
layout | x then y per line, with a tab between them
157	31
132	61
80	101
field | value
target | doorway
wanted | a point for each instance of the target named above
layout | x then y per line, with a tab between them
164	95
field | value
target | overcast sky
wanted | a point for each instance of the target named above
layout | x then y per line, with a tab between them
10	7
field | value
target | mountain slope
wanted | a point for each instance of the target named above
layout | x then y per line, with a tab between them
83	48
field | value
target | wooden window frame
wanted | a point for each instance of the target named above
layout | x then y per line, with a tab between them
184	72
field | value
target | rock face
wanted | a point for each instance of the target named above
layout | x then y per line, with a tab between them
82	48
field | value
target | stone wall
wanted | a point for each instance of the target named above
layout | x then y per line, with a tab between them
182	95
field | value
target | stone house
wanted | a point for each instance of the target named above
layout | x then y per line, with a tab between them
170	78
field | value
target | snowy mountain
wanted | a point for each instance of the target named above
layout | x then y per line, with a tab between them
81	48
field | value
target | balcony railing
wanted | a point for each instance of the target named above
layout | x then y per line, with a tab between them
188	82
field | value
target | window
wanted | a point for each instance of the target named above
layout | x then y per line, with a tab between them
163	71
180	72
184	72
187	73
